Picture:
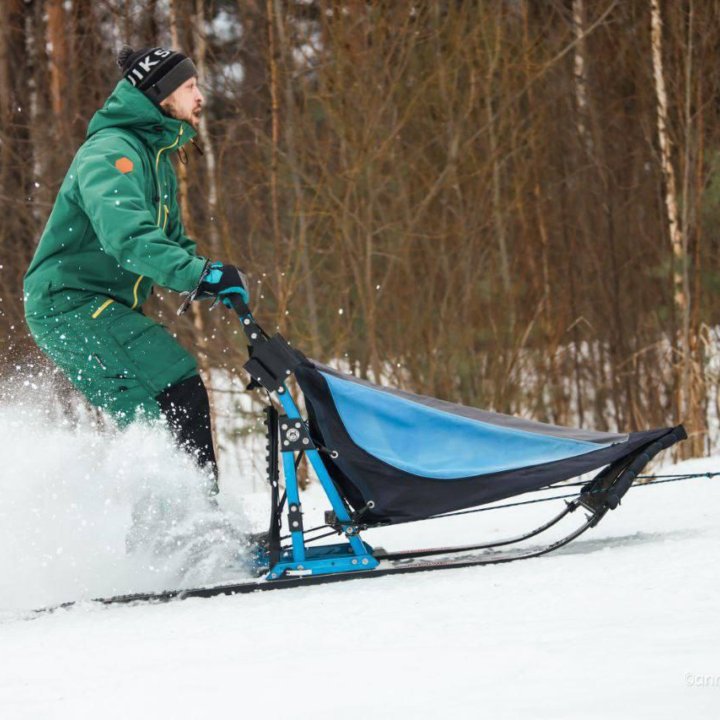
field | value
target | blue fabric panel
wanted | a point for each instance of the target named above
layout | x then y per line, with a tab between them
439	445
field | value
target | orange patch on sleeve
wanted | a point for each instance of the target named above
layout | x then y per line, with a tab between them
124	165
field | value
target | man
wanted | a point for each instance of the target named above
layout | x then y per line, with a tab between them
114	231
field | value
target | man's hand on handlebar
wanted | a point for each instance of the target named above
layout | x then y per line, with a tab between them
220	281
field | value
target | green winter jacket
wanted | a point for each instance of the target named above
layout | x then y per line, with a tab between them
115	228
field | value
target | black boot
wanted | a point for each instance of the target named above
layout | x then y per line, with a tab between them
187	409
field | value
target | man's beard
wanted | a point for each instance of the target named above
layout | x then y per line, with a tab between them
193	119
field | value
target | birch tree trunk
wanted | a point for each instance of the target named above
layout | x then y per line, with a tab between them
307	273
275	161
582	110
677	238
580	73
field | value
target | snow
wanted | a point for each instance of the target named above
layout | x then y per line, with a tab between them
623	623
72	496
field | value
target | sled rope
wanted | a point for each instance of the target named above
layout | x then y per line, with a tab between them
654	480
666	479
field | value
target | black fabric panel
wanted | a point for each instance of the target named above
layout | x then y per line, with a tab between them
187	409
400	495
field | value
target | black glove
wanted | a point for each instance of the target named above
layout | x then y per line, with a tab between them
222	280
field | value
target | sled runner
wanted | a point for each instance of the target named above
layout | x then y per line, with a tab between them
384	457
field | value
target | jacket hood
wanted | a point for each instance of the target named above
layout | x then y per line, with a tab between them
127	107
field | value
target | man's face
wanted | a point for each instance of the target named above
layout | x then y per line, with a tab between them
185	103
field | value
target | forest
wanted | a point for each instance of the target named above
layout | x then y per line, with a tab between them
512	204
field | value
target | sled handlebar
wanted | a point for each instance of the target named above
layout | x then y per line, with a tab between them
235	302
254	333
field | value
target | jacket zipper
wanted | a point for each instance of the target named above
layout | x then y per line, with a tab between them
157	172
160	204
135	292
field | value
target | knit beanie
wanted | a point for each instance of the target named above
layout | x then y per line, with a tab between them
156	72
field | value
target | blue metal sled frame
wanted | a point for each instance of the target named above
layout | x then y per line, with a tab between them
320	560
271	362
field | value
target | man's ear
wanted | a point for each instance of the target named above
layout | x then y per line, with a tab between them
166	108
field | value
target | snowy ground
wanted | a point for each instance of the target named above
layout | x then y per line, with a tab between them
624	623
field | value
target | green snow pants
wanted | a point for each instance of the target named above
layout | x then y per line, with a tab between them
118	358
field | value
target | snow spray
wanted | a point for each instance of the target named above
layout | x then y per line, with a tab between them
87	510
